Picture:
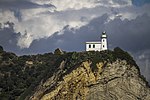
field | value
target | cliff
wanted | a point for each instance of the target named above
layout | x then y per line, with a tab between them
106	75
111	81
112	77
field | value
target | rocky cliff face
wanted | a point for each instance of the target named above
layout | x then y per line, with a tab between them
88	80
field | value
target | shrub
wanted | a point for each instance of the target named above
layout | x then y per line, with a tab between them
58	52
1	49
123	55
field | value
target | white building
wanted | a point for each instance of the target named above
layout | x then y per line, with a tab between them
98	45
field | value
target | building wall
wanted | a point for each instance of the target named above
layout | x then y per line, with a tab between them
91	47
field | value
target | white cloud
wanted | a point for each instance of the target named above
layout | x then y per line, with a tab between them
42	25
41	1
25	41
7	16
62	5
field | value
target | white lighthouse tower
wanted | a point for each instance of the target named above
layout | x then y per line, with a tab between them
104	41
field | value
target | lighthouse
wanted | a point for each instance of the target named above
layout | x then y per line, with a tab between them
98	45
104	41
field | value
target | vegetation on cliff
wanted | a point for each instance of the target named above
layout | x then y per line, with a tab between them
19	75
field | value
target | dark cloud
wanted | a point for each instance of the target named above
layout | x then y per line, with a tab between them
8	38
17	14
140	2
121	2
21	4
132	35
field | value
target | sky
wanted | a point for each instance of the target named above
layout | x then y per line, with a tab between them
40	26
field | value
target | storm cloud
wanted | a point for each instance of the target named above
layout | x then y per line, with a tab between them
8	37
140	2
20	4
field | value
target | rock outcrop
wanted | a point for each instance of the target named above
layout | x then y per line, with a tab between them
117	80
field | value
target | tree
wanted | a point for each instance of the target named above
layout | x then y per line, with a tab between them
58	51
118	50
1	48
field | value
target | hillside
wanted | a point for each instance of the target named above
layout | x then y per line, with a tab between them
106	75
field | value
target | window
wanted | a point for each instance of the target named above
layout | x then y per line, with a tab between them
103	40
93	45
103	46
89	46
